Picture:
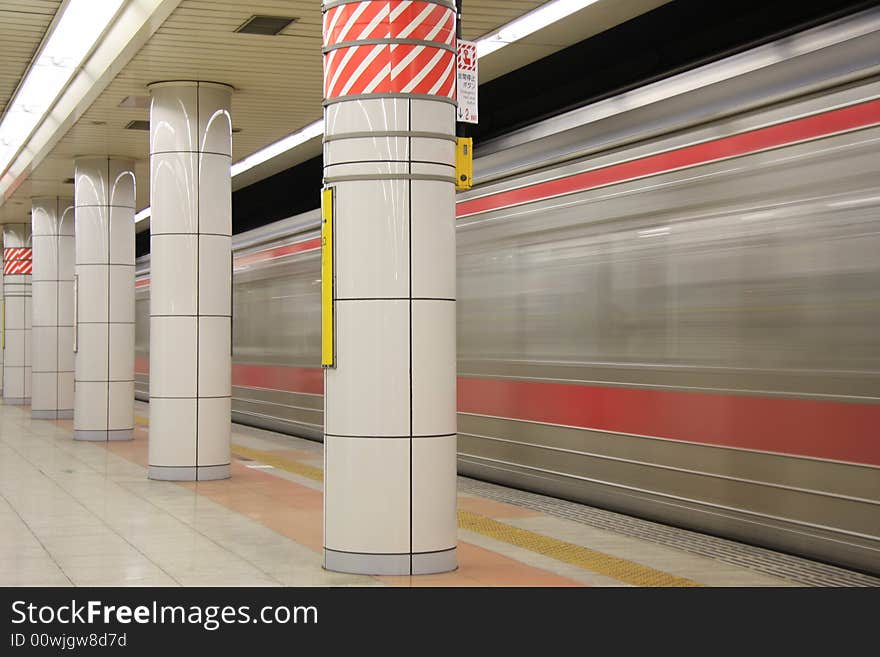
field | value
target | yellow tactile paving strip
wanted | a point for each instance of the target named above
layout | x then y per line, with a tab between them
592	560
570	553
288	465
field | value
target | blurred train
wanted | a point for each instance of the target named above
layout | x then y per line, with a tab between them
668	303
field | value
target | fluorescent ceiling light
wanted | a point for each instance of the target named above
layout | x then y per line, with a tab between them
73	37
289	142
529	24
513	31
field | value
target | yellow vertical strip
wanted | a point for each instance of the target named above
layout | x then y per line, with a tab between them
328	347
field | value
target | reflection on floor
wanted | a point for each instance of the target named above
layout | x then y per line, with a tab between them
85	514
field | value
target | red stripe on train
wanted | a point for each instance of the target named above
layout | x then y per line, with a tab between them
800	427
803	427
291	379
308	380
811	127
261	256
278	252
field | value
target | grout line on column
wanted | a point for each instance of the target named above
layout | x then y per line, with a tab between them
109	297
58	219
198	190
409	217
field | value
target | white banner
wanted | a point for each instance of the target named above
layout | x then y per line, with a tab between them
467	81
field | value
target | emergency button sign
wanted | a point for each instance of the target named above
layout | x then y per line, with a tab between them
467	81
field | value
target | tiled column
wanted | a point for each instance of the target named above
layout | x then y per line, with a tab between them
52	330
389	413
1	328
190	280
104	392
17	266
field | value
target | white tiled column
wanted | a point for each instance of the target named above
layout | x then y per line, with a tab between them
104	390
389	404
1	306
190	280
52	325
17	265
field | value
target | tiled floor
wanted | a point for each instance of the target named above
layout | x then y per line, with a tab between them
85	514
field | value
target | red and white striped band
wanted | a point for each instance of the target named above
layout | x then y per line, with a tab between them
389	46
17	260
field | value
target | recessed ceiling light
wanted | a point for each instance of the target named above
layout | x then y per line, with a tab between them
267	25
137	125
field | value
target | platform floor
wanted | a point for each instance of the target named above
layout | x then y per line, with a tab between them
85	514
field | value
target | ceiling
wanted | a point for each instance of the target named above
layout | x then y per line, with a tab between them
277	78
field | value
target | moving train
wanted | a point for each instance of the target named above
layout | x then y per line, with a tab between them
668	302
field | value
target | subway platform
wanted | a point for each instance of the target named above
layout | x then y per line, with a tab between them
84	514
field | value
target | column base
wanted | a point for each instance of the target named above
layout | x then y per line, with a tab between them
17	401
103	436
52	415
189	473
425	563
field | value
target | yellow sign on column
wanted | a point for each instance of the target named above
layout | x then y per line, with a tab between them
464	163
328	343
